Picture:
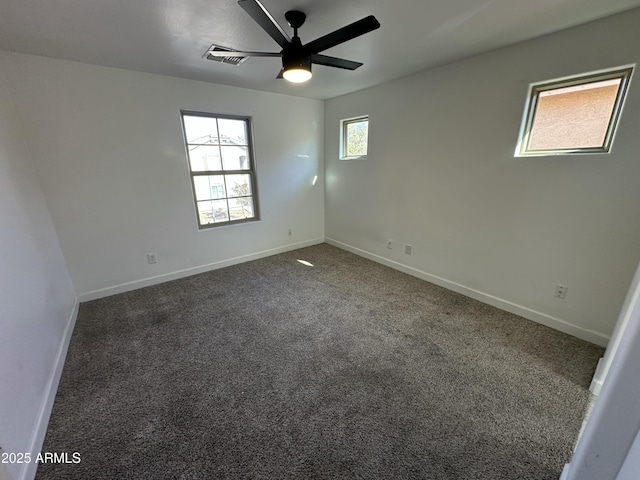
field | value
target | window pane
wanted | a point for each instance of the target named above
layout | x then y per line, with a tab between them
204	158
232	132
200	130
238	185
220	212
356	135
235	158
574	117
208	187
205	212
240	208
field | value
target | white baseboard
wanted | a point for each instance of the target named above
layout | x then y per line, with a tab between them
42	421
539	317
598	379
147	282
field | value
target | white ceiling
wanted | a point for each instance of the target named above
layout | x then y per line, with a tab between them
170	37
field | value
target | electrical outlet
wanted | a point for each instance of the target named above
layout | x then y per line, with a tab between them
151	257
561	291
289	232
407	249
389	244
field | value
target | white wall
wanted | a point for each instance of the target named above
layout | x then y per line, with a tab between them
631	466
109	150
442	177
37	300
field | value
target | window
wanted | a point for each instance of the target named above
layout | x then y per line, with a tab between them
222	168
354	136
573	115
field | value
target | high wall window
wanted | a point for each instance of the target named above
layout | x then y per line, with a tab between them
573	115
354	138
222	169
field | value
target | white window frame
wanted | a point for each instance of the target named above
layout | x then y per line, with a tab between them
251	171
535	89
343	137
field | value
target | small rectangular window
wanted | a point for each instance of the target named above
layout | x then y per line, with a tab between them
354	138
574	115
220	157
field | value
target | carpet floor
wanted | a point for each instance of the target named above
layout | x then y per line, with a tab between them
344	370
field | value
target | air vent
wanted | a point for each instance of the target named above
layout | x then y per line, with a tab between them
231	60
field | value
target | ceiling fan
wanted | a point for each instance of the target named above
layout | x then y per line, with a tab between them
296	57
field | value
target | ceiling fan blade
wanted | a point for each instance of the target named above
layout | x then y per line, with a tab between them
343	34
263	18
234	53
334	62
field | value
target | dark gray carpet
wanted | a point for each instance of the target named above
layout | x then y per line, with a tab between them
344	370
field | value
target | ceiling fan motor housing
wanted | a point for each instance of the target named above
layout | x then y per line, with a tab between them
293	58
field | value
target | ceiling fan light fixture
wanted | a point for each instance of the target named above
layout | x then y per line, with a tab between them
297	75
